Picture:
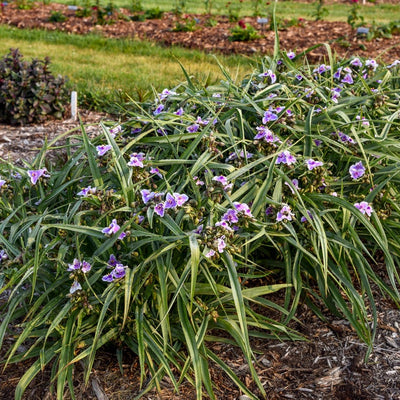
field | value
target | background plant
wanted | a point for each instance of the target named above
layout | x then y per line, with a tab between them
355	19
243	32
320	11
157	234
29	92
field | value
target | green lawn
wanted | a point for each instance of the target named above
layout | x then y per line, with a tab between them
102	68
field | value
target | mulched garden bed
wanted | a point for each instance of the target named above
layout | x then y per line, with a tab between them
330	363
339	35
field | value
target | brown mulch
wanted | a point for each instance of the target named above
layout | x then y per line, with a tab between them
339	35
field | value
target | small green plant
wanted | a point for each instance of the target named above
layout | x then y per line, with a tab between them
233	10
187	25
179	7
24	4
153	13
28	91
57	16
83	12
354	18
257	7
243	32
208	6
320	11
136	6
211	22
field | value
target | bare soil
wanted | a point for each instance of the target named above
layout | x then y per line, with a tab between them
339	35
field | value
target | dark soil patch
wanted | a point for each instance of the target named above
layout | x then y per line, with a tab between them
339	35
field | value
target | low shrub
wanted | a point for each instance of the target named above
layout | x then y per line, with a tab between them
170	231
243	32
153	13
29	92
57	16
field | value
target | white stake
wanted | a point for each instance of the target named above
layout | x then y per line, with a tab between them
74	105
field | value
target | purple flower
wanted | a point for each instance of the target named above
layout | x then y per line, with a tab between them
338	72
193	128
356	63
156	171
357	170
158	110
136	160
147	195
134	131
201	121
112	261
231	216
107	278
159	209
295	183
36	174
371	64
267	135
284	214
2	182
269	74
3	255
102	149
199	229
394	64
363	120
86	267
311	164
221	179
179	112
348	79
221	244
86	191
364	207
119	271
224	225
198	181
291	55
317	142
304	219
345	138
122	236
299	77
285	158
115	130
75	287
76	264
244	208
335	92
210	254
269	116
170	201
165	93
112	228
180	199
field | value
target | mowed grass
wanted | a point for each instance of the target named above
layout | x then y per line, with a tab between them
108	70
285	9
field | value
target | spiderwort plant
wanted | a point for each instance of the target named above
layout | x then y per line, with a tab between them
153	240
